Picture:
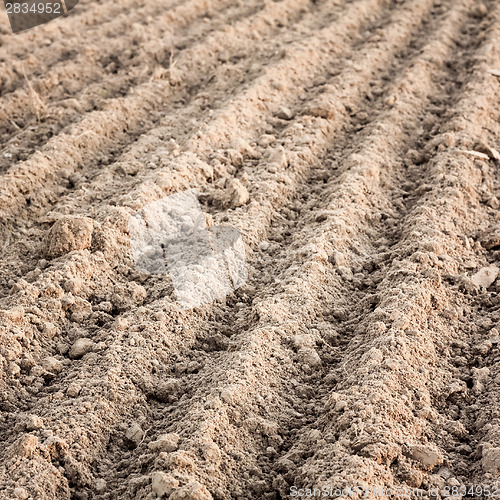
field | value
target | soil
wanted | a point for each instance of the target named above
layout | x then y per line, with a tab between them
354	146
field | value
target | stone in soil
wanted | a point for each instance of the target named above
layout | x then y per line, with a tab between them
80	348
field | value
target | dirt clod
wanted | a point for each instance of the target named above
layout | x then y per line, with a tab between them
427	456
21	493
485	276
52	365
73	390
192	491
168	390
68	234
235	194
163	484
165	442
490	461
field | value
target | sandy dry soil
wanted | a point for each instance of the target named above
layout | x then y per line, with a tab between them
364	349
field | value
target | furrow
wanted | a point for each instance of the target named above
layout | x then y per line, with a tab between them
242	389
101	130
197	63
68	89
46	46
398	415
186	106
131	395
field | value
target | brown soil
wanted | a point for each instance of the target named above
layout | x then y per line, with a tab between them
364	349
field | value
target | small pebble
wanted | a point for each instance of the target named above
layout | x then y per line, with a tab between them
134	434
73	390
264	245
21	493
80	348
284	113
100	485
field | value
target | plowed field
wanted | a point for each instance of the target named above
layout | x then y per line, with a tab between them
353	144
